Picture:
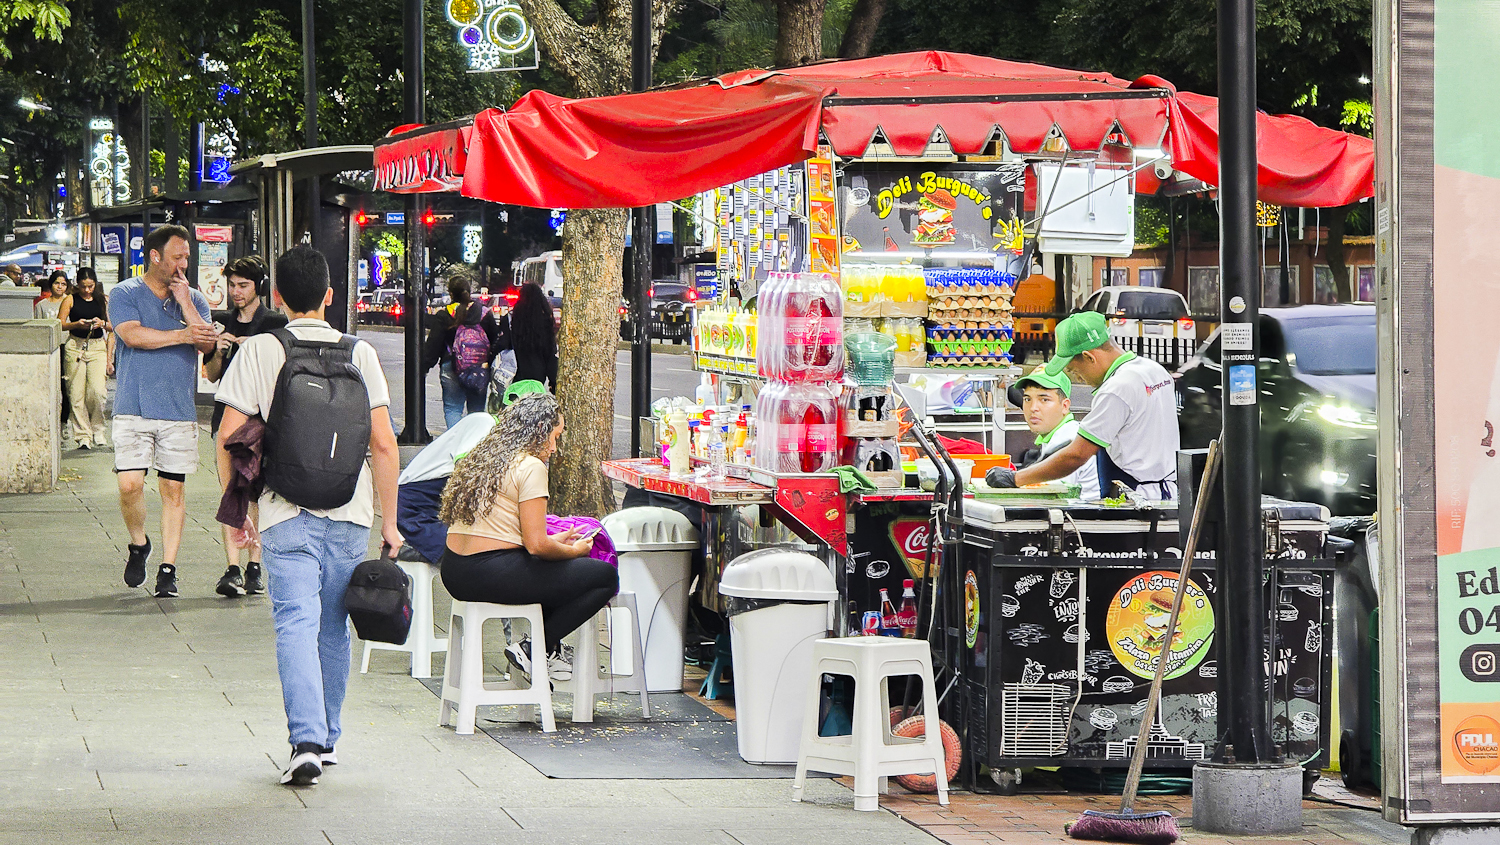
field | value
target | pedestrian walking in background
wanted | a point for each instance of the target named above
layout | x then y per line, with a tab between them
310	553
163	324
88	358
245	277
533	336
49	302
10	277
462	340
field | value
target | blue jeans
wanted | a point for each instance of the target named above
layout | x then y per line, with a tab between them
456	396
308	561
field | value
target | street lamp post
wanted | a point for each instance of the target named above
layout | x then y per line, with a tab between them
644	238
416	235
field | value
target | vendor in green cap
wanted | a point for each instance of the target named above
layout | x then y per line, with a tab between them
1046	404
1131	431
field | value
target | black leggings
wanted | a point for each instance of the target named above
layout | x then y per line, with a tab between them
569	591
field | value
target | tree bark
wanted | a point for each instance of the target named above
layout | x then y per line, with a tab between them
595	59
859	36
1343	285
799	32
593	240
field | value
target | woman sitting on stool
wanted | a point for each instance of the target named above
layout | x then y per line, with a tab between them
499	551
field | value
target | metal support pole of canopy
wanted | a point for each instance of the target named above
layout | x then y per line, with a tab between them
644	237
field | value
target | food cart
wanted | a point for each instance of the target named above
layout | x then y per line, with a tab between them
919	173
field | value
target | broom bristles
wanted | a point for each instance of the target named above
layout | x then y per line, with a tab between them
1156	828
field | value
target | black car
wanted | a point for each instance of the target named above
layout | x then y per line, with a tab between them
672	305
1316	379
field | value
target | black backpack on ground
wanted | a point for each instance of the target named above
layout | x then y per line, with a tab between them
318	432
379	601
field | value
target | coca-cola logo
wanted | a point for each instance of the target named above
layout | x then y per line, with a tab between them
910	536
914	544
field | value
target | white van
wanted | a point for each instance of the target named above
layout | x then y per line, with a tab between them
544	270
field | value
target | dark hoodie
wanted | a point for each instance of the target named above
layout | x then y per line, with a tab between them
439	346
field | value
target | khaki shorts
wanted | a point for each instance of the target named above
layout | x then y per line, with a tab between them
167	446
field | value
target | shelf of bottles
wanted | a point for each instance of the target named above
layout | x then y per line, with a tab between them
800	353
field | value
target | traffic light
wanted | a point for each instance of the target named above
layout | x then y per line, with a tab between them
429	218
361	218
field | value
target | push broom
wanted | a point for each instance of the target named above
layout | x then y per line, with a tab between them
1156	828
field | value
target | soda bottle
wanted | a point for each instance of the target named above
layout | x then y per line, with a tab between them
818	414
906	617
890	625
823	349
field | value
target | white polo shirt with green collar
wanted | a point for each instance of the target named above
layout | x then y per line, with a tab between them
1086	476
1134	419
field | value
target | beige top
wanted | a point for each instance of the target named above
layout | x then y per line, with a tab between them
526	480
249	386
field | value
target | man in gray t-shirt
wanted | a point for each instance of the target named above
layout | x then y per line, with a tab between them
162	324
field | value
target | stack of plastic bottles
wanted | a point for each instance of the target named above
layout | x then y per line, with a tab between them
800	351
969	320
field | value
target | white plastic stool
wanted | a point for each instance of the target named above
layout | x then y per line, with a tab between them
602	680
464	688
422	642
871	753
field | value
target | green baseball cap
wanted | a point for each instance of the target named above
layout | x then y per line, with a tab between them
521	388
1054	381
1079	333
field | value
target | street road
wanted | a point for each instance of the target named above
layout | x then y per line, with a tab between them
671	375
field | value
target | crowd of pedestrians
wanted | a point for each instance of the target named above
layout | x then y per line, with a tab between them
152	332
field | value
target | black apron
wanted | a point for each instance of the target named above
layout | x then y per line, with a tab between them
1110	472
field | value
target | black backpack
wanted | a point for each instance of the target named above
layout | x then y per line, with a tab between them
379	601
318	432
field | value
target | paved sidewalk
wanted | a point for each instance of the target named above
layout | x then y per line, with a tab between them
124	718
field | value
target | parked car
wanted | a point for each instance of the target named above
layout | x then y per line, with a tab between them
672	305
385	307
1151	322
1316	380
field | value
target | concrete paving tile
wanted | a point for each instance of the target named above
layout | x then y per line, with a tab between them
76	820
902	834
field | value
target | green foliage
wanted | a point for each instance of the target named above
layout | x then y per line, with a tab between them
1358	117
48	19
704	40
1150	222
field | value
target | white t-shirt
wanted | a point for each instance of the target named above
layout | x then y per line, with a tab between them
249	385
1086	476
1134	419
437	458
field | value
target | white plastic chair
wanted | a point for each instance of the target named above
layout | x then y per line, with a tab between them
603	679
464	689
422	642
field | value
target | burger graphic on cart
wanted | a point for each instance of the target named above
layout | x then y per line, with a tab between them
935	219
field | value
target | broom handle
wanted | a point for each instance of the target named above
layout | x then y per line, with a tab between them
1138	760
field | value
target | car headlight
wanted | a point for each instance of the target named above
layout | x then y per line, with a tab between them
1346	417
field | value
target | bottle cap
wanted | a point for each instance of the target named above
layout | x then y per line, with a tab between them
908	583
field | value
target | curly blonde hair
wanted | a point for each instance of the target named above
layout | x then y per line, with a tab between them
520	430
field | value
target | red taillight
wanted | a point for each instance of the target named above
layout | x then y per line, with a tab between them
511	297
651	291
1185	324
396	309
692	295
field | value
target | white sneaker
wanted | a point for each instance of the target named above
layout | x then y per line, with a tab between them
519	655
304	768
560	666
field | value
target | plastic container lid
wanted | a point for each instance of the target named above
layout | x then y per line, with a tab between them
778	574
650	529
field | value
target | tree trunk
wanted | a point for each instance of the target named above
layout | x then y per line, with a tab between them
1343	285
859	36
799	32
593	241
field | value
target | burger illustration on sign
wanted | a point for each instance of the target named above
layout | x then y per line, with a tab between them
935	219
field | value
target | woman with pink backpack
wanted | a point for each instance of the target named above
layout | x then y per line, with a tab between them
462	340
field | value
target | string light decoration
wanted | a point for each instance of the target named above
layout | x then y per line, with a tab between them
473	243
109	164
495	33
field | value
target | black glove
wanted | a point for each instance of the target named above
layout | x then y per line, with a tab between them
1001	477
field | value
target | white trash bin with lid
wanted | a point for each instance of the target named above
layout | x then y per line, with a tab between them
656	563
778	603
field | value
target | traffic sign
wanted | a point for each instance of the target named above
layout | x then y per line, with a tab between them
395	218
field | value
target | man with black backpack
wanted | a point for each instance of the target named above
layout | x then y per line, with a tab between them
326	407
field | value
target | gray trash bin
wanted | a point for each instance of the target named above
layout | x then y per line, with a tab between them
779	603
656	562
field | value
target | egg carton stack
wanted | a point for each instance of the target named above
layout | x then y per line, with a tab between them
970	320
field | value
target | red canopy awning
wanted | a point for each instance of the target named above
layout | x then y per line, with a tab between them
639	149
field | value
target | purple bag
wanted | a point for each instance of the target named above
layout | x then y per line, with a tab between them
604	547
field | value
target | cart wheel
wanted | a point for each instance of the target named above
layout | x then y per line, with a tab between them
1310	777
1007	781
953	753
1351	761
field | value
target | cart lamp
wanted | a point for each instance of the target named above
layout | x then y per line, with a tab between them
1343	415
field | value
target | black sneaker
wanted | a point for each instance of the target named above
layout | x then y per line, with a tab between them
327	756
305	767
166	581
135	567
232	584
255	580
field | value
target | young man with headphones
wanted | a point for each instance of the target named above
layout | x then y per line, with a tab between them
245	278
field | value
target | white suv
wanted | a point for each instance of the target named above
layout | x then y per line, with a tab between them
1151	322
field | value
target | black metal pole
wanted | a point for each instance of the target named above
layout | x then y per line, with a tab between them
145	171
644	239
195	157
1242	680
415	111
310	117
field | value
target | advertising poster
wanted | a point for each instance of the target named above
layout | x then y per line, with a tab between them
212	259
1466	389
930	209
